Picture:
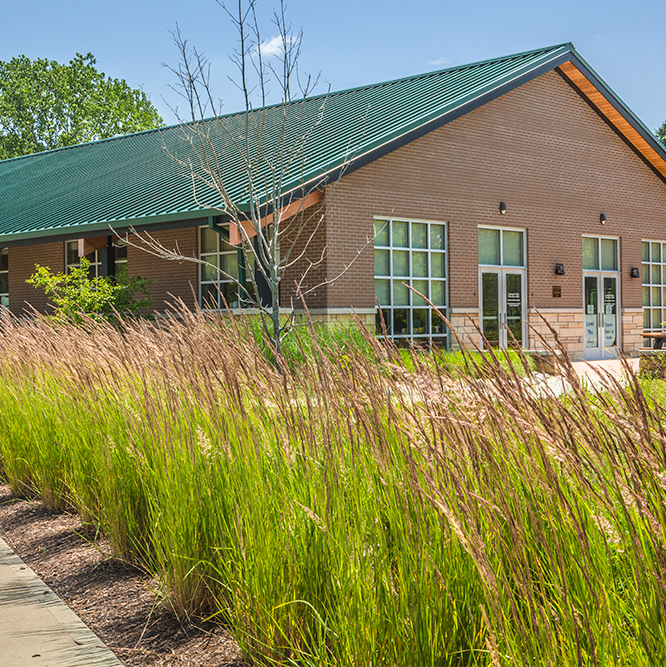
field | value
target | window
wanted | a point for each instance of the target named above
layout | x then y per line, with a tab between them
411	253
501	247
654	285
72	259
215	286
121	253
4	277
600	254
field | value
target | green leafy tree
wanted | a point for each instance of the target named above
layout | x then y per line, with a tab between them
661	133
75	294
45	105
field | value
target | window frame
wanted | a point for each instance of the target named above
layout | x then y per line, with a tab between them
618	256
427	336
220	280
650	308
120	261
502	229
95	263
4	296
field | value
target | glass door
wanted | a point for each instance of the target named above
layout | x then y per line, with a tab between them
602	327
609	317
503	307
490	306
591	303
514	309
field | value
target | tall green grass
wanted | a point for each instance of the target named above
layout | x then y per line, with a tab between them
358	509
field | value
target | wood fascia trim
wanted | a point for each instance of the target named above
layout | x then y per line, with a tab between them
608	110
285	213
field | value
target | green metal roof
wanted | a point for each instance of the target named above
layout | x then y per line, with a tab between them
132	180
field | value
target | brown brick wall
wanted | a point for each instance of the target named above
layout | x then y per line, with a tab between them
169	279
543	151
307	236
22	260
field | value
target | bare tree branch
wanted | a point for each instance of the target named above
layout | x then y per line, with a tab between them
261	149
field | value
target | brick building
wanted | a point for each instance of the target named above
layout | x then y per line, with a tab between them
501	189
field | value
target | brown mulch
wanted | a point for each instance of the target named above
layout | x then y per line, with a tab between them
114	599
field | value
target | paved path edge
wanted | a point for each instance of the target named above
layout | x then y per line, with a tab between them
38	626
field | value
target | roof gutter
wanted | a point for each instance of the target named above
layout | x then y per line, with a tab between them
120	227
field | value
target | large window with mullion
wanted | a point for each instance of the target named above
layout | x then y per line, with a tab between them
411	253
223	268
654	287
4	277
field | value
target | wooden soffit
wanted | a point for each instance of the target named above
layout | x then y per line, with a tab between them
86	246
285	213
609	111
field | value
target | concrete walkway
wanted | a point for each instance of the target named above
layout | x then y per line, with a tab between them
39	629
586	369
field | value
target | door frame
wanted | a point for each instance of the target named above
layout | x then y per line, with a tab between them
604	352
502	271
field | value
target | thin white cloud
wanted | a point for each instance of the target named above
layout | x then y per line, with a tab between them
439	63
275	45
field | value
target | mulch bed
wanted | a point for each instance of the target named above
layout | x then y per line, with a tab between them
114	599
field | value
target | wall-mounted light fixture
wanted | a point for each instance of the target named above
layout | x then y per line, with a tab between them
502	208
602	218
559	269
635	273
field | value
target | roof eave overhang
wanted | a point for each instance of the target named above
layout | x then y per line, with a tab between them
122	226
609	106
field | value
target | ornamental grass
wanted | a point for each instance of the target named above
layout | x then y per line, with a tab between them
361	506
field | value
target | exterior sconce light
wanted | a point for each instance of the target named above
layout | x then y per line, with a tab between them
635	273
559	269
502	208
602	218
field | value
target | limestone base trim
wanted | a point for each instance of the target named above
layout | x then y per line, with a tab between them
340	315
465	325
568	324
632	331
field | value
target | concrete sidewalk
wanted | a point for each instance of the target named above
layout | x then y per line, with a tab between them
586	369
39	629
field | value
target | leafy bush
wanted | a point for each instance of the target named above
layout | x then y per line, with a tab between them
76	295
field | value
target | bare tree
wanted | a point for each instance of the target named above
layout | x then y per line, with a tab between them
276	212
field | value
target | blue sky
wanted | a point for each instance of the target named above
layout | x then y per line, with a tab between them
352	42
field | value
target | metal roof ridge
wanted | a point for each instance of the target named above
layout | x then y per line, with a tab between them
564	46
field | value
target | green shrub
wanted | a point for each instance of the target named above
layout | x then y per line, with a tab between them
75	294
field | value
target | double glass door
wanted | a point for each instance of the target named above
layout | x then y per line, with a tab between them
602	326
503	307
